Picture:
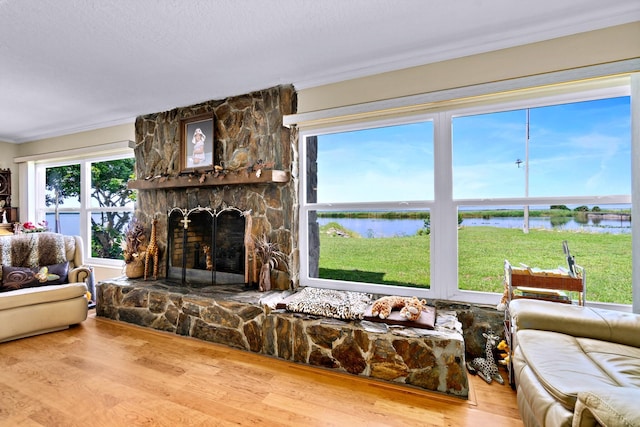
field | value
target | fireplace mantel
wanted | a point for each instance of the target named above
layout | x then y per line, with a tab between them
196	180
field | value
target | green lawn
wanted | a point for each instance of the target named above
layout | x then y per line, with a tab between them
404	261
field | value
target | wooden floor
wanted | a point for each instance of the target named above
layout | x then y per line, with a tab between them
106	373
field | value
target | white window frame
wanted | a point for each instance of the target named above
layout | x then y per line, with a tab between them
453	205
444	251
37	208
306	207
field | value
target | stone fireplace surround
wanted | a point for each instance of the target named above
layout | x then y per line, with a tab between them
235	315
262	185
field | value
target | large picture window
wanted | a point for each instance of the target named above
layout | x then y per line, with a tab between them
88	197
509	180
367	214
564	158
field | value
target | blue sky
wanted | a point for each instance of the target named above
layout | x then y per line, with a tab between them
383	164
574	149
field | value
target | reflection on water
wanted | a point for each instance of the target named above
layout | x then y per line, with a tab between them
377	227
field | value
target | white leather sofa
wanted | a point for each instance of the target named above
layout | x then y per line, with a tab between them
574	365
46	307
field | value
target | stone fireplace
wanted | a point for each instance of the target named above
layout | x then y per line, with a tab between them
205	218
253	155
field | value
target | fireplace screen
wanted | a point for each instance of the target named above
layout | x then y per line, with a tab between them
207	246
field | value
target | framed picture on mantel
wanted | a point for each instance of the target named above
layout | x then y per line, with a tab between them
196	143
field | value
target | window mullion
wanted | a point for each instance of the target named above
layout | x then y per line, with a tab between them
444	253
37	210
635	188
85	191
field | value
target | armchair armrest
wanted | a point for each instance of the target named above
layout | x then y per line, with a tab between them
79	274
85	274
616	406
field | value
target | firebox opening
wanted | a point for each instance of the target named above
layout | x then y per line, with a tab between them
206	246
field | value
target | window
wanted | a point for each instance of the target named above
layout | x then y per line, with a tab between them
88	197
508	179
368	194
564	157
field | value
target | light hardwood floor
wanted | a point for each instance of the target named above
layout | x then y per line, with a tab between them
106	373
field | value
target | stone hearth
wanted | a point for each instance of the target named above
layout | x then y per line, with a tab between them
247	319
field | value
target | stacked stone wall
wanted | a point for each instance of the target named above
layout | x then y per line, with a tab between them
252	122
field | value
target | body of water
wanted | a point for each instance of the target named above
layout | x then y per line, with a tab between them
69	223
378	227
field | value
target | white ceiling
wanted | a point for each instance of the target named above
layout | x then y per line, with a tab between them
73	65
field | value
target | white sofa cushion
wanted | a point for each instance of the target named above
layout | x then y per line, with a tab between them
616	406
41	294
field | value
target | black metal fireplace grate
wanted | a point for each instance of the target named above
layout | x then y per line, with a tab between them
206	246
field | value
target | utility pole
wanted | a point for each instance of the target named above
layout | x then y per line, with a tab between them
525	226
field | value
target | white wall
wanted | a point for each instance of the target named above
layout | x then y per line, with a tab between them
97	137
591	48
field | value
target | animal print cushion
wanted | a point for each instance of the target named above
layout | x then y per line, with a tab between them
345	305
21	277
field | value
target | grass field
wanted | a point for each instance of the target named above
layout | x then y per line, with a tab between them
404	261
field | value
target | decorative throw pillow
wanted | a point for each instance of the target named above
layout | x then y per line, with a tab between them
60	270
18	278
21	277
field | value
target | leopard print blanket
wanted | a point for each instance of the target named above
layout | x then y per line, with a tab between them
32	249
344	305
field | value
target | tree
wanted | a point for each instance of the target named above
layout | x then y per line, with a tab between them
109	189
64	183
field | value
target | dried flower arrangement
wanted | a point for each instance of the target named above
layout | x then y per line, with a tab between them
134	249
270	256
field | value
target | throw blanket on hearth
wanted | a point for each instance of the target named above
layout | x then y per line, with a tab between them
345	305
32	249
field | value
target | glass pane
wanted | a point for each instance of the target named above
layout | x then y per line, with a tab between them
577	149
390	248
109	183
107	230
69	223
392	163
63	186
599	237
581	149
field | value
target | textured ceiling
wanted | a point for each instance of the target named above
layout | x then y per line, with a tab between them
73	65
